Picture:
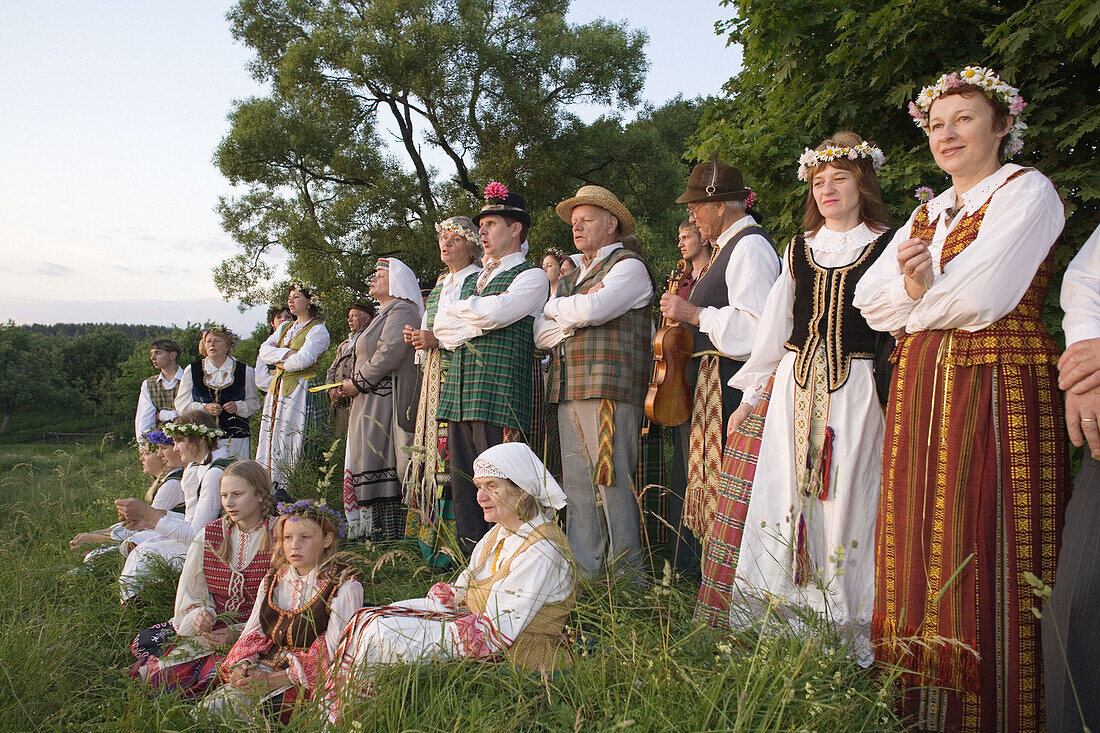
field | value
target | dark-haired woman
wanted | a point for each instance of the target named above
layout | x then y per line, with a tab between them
975	458
810	529
291	411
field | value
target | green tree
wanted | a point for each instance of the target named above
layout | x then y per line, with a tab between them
479	84
31	374
813	68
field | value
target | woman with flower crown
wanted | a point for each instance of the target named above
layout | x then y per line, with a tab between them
383	384
431	519
196	435
810	528
292	414
975	459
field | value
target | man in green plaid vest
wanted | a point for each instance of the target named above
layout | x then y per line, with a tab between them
598	328
156	398
489	390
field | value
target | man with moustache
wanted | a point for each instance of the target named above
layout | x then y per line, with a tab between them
360	313
722	311
488	395
598	328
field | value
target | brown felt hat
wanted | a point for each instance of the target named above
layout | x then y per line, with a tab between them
714	181
597	196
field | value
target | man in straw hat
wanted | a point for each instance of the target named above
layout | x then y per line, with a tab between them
598	328
722	312
488	395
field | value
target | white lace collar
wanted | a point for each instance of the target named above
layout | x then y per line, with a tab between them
975	197
828	241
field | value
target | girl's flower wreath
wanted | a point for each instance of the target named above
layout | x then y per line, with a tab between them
307	508
811	159
191	430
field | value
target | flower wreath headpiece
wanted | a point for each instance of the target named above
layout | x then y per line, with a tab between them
192	430
449	227
307	508
984	79
156	437
816	158
219	328
303	288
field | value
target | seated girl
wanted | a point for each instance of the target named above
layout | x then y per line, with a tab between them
159	459
196	437
511	601
302	605
224	566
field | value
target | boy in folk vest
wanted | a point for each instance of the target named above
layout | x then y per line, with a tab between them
598	328
489	391
158	392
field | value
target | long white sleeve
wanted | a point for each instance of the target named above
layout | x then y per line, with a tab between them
985	281
316	343
184	401
471	317
769	348
270	352
1081	293
548	333
261	375
207	509
752	269
146	416
625	287
192	594
169	495
251	401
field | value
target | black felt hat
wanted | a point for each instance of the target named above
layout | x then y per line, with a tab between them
499	201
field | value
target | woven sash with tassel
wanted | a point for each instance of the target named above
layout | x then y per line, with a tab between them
422	491
705	448
813	456
605	445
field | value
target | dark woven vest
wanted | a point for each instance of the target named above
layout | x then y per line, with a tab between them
824	314
235	426
227	600
609	361
710	290
177	474
163	399
295	631
491	377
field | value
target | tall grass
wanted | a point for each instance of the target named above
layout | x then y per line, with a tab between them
641	662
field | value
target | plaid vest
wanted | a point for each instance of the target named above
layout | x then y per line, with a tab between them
490	378
610	361
163	399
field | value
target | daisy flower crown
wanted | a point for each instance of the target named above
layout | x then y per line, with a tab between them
303	288
449	227
984	79
816	158
192	430
307	508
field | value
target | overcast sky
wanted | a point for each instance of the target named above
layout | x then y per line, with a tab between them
111	112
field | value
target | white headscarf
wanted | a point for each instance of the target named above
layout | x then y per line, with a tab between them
403	283
519	464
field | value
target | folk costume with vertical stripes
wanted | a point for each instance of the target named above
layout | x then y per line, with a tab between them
975	460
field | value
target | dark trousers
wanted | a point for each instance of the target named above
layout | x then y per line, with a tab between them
684	547
1071	616
466	440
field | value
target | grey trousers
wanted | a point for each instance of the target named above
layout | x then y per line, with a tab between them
1071	616
602	522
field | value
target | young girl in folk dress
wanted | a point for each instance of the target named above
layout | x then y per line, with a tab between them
221	575
291	411
511	601
196	437
160	459
301	608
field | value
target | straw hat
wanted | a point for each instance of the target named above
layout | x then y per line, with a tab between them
597	196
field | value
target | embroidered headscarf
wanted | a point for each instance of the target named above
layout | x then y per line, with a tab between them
519	464
403	283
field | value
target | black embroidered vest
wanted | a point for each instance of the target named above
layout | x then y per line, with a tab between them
710	290
235	426
295	631
824	314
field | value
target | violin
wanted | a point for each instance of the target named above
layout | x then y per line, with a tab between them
668	401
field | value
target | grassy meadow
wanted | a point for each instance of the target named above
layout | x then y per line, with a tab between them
642	664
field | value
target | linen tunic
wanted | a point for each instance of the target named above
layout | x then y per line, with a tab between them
284	424
847	518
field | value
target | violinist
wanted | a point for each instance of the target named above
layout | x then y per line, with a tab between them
722	310
598	328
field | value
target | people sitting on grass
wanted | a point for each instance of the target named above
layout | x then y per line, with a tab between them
511	602
223	570
196	437
302	606
159	459
222	386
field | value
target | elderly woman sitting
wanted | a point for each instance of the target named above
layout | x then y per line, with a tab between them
511	601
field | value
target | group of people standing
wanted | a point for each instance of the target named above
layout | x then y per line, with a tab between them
875	429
